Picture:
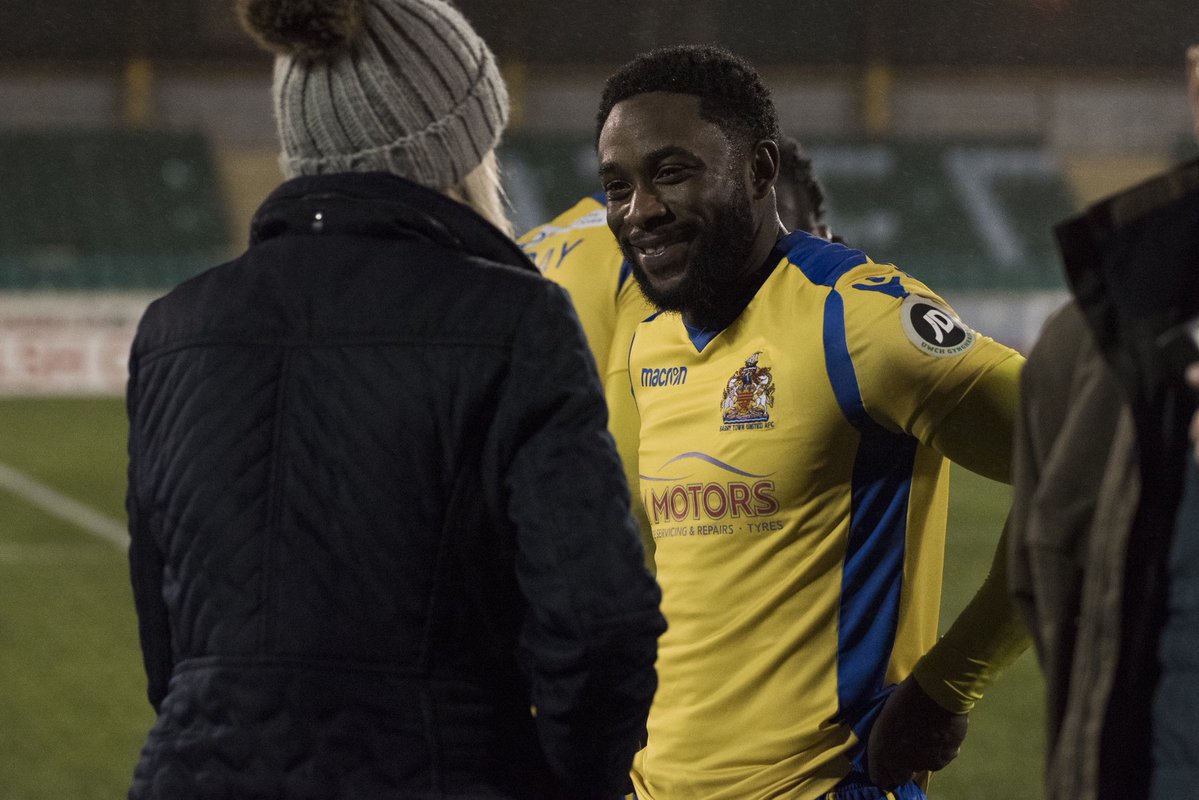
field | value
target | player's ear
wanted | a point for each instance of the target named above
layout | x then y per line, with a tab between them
764	167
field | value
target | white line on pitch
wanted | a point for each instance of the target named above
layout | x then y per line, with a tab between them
55	554
63	507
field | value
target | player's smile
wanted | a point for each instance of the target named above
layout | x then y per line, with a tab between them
681	201
663	183
663	258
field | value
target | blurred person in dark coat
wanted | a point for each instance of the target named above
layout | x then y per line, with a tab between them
1104	529
380	538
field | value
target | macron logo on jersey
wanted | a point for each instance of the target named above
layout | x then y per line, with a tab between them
664	376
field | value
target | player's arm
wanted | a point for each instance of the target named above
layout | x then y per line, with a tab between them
962	402
985	638
925	373
924	720
989	633
977	433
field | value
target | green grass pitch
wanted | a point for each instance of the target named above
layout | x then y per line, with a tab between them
73	711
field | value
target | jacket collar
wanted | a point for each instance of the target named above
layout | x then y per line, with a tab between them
379	204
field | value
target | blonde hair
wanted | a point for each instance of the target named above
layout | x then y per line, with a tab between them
482	190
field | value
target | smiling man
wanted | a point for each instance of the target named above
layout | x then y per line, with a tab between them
577	251
798	403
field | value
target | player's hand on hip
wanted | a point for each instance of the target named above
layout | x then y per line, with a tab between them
912	734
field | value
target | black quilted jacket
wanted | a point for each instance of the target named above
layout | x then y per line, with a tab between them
376	517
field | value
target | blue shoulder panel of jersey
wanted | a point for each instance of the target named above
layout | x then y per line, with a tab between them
626	270
699	336
892	286
822	261
839	365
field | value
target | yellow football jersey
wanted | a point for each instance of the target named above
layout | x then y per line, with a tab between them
577	251
799	516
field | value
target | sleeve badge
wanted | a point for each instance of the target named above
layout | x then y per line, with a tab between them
933	328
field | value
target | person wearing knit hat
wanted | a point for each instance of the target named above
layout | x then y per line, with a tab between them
380	541
405	87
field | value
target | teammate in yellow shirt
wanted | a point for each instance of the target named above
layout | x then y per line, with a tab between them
577	251
798	402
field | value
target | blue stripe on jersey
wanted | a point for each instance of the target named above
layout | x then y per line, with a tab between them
600	197
872	575
840	366
822	261
873	571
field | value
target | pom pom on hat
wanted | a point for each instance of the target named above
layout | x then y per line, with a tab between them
304	28
402	86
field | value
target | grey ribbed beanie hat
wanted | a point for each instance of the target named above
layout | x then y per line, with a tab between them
402	86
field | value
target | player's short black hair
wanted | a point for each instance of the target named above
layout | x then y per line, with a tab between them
795	168
730	91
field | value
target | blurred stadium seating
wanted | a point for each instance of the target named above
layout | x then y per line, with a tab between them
112	209
137	137
121	209
961	213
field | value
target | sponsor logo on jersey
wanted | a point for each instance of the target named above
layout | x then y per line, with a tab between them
711	500
663	376
935	329
748	397
675	498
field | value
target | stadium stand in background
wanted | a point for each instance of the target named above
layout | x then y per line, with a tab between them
94	224
968	213
135	143
107	210
965	214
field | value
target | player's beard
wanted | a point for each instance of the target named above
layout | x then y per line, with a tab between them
708	295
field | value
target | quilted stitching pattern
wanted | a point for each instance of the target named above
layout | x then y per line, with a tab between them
318	483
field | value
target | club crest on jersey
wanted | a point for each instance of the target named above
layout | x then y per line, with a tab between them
935	329
748	396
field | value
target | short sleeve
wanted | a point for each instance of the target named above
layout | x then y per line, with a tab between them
914	359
